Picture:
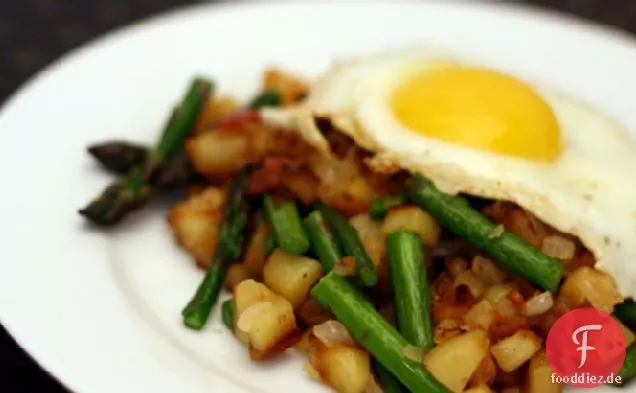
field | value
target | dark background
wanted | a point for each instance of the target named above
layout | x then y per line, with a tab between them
33	33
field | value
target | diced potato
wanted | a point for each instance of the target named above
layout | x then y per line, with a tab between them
446	330
304	344
246	294
485	373
471	282
256	251
270	327
449	310
539	376
454	361
236	274
482	314
511	352
345	369
412	218
587	285
312	313
498	296
373	239
291	276
195	223
487	271
213	111
218	154
354	198
479	389
303	184
456	266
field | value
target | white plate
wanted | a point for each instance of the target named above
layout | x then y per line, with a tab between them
102	312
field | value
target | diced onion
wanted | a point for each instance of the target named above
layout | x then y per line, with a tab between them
332	333
538	305
558	247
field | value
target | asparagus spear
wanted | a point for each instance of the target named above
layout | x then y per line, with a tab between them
381	206
286	226
351	245
228	249
322	241
227	313
628	370
373	332
512	253
133	191
626	312
118	157
389	383
410	285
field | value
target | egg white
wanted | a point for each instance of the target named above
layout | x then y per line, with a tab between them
586	191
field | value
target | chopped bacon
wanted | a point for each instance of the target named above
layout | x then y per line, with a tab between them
238	120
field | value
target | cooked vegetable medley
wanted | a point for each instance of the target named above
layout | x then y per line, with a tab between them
385	283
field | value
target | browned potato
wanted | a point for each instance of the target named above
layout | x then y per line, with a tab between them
218	154
511	352
195	222
539	376
263	320
487	271
471	282
485	373
454	361
291	276
446	329
373	239
213	111
412	218
587	285
236	274
345	369
246	294
482	314
256	251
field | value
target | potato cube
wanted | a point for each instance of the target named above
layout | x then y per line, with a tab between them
482	314
511	352
412	218
291	276
539	376
345	369
485	373
454	361
195	223
373	239
587	285
246	294
236	274
218	154
256	251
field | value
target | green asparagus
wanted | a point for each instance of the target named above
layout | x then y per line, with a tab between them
626	312
628	370
134	190
229	248
389	383
373	332
227	313
380	206
322	241
512	253
118	157
410	285
351	244
266	98
286	225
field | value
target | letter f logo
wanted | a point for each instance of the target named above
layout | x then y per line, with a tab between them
583	344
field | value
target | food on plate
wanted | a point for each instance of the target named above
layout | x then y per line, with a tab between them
408	222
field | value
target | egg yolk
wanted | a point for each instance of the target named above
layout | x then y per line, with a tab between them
481	109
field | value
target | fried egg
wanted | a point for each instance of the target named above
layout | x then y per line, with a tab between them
486	133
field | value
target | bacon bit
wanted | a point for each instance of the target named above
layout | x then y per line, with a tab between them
516	298
586	258
507	327
263	180
238	120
